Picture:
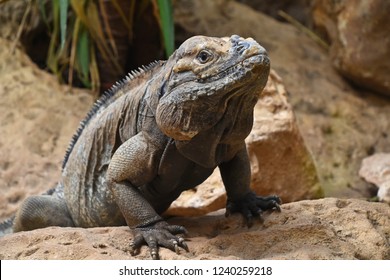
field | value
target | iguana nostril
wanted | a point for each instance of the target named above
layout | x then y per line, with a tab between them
242	46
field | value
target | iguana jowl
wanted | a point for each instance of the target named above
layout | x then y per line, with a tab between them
161	131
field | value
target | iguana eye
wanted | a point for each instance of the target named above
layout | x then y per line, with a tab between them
204	56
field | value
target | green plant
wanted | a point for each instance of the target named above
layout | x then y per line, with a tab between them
82	30
167	26
87	20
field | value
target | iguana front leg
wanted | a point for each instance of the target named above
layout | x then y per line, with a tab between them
236	176
134	164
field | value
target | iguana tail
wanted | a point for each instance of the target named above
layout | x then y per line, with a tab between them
6	226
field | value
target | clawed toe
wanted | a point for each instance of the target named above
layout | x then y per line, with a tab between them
253	206
158	235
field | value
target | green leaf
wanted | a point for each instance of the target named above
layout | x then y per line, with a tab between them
52	60
64	4
166	15
89	16
83	55
42	9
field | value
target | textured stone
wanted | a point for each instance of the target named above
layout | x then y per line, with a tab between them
360	42
376	169
320	229
298	9
205	198
281	164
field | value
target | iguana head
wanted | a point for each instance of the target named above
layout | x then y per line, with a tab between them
205	75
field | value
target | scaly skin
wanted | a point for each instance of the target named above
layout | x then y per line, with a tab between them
164	130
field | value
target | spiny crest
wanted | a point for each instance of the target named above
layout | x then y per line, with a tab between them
107	98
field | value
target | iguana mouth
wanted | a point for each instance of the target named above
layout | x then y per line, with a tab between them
240	68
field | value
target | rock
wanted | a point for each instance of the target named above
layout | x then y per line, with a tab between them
280	161
298	9
376	169
384	192
360	42
205	198
335	119
320	229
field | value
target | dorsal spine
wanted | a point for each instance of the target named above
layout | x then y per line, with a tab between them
107	98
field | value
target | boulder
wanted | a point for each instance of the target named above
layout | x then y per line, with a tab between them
280	161
319	229
376	170
360	42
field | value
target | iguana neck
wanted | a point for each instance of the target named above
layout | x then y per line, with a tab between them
210	147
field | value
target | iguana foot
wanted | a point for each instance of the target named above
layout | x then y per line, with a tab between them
252	205
159	234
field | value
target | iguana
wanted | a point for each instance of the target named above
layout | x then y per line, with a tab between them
160	131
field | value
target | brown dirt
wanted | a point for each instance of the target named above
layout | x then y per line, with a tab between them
320	229
38	117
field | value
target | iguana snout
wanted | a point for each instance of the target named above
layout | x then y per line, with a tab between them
247	47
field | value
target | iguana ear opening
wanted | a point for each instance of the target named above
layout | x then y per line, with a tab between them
165	80
163	89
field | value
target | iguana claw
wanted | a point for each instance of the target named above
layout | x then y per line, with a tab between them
251	205
160	234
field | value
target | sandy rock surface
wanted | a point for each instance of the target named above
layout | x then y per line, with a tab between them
360	42
280	161
319	229
376	170
38	118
